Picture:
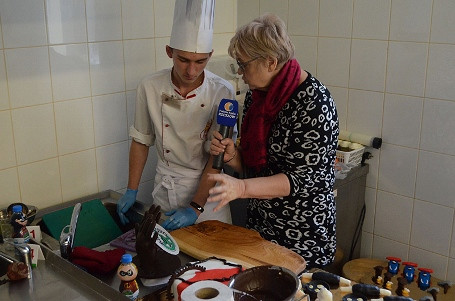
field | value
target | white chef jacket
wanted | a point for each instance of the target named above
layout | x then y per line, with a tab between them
181	130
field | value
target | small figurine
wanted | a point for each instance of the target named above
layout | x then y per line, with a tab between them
19	223
395	298
409	270
313	287
368	290
377	278
332	279
127	273
445	285
401	289
433	292
394	264
424	279
387	283
324	294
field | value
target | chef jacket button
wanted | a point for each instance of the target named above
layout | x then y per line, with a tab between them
202	105
168	151
166	125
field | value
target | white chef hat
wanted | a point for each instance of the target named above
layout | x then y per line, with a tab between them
192	29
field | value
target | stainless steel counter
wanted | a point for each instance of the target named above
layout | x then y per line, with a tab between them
58	279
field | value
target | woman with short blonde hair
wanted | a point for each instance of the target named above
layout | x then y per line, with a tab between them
264	37
287	148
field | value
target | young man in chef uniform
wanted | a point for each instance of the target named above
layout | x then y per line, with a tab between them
176	111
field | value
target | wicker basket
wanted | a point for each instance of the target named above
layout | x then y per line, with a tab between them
353	158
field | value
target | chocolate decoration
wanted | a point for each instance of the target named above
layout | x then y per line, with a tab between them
151	260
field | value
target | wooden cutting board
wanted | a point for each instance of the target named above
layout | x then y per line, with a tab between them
236	244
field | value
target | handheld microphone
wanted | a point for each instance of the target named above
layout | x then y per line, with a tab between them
226	118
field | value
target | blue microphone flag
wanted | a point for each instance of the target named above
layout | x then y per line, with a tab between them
227	112
226	118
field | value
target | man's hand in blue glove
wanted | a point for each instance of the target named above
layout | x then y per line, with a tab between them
125	203
180	218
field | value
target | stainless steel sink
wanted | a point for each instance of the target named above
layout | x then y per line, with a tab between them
5	261
52	279
109	199
56	278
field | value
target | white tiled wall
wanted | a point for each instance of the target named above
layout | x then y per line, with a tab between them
68	77
68	71
390	66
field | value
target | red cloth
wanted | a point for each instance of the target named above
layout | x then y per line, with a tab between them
96	261
262	113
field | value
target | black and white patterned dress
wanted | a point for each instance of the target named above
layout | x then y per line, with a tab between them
302	145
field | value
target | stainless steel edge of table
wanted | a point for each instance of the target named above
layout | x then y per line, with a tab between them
58	279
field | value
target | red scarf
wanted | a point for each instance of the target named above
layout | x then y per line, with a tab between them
262	113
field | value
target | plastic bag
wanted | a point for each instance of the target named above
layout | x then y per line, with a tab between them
341	170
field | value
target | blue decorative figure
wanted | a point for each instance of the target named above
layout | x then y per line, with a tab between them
409	271
394	265
424	279
19	223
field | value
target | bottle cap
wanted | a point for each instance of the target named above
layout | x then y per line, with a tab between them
126	258
17	208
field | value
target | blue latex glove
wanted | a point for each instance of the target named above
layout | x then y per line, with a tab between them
180	218
125	203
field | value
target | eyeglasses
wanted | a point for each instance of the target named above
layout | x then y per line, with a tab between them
242	66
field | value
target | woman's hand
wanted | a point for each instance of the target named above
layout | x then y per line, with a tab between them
228	189
219	145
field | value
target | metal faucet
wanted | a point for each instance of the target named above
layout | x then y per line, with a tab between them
25	255
23	251
68	233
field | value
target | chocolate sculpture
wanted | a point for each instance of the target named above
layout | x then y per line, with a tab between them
151	260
